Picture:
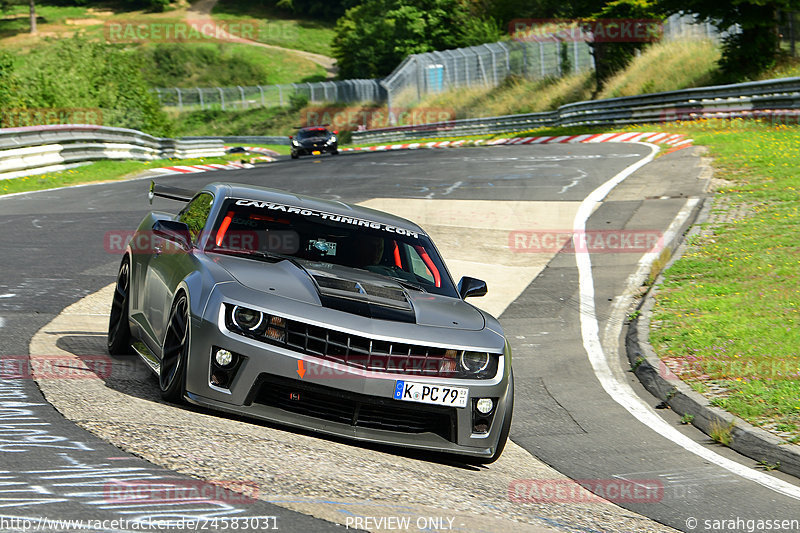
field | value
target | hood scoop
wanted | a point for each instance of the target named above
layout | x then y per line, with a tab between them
381	292
365	298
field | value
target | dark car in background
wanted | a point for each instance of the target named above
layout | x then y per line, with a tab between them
314	140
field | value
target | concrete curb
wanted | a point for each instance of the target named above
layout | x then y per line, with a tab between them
662	383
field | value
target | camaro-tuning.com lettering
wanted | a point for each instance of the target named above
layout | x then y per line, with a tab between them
328	216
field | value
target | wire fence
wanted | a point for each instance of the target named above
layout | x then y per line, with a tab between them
241	97
486	65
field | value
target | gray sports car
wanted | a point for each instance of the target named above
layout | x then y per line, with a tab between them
314	314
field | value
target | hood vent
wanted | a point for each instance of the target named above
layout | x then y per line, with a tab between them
366	299
357	287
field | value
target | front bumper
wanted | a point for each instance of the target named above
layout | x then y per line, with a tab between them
309	150
335	399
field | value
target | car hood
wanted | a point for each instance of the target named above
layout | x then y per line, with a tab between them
351	290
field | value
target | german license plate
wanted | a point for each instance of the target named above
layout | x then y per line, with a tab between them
316	152
411	391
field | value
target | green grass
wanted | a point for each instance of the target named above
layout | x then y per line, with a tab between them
189	65
280	28
730	307
98	171
259	121
666	66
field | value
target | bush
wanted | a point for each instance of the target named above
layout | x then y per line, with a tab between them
9	88
745	55
297	101
158	6
200	65
78	73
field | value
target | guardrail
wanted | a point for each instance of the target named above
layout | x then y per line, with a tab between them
244	139
38	149
721	100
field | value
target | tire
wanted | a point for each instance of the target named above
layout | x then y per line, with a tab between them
335	152
119	328
294	155
174	356
504	431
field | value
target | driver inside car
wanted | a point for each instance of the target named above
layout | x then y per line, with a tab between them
369	255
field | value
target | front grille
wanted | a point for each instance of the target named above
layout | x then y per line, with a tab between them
359	352
334	405
367	354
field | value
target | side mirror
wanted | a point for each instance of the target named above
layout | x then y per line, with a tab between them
471	287
291	137
173	230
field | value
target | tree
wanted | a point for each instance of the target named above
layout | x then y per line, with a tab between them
32	15
755	47
6	4
612	57
374	37
507	10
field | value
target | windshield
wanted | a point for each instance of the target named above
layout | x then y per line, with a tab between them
314	132
249	227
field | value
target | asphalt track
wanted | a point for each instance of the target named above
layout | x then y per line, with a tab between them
53	255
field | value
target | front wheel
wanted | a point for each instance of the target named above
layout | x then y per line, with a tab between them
172	372
119	329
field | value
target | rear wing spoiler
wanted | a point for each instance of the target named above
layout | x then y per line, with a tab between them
171	193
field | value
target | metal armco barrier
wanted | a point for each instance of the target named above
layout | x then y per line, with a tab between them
249	139
741	99
39	149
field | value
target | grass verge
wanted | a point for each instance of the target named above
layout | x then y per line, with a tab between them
729	309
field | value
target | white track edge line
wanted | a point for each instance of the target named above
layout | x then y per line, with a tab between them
621	392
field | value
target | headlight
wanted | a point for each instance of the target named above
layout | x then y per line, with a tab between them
295	143
474	362
247	319
332	139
